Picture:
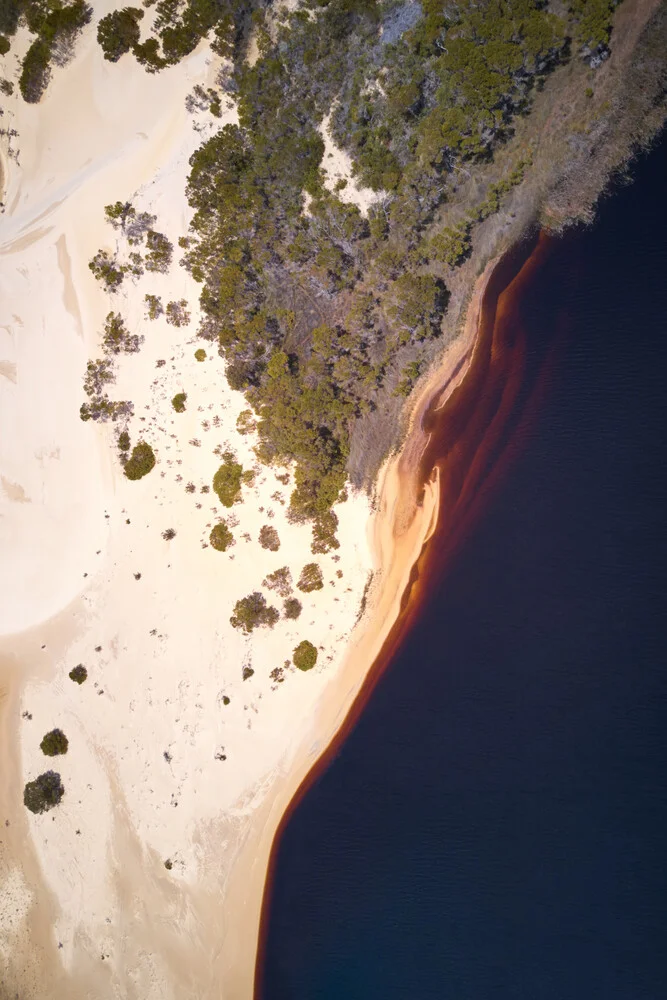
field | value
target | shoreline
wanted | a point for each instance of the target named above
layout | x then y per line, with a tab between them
400	532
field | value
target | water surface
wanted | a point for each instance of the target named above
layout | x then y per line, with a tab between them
495	823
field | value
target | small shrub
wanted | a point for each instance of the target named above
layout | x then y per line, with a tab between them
140	462
178	402
292	608
310	579
268	538
324	533
158	257
177	313
154	306
78	674
305	656
124	441
54	743
280	580
104	268
227	480
252	612
200	354
117	338
169	864
247	673
246	423
169	534
226	699
221	537
44	793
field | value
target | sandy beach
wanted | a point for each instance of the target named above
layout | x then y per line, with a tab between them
188	739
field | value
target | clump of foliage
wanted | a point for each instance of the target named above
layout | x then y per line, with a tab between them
252	612
78	674
311	578
221	537
324	533
54	743
268	538
106	270
280	580
305	656
168	534
100	374
177	313
44	793
247	673
56	26
227	480
409	376
140	462
159	254
153	305
119	32
178	402
117	338
245	422
200	354
292	608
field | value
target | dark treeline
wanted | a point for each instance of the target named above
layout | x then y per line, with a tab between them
320	313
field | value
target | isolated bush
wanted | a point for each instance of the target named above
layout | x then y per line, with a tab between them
305	656
221	537
104	268
311	578
227	480
280	580
140	462
268	538
124	441
252	612
54	743
178	402
44	793
200	354
78	674
154	305
117	338
177	313
292	608
159	253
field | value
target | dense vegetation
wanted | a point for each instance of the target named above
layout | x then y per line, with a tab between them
178	402
55	26
44	793
323	313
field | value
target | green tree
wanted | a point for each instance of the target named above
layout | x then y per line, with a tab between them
305	655
227	480
178	402
221	537
119	32
140	462
54	743
44	793
310	579
252	612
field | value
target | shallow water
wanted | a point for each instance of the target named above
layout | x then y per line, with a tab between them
494	825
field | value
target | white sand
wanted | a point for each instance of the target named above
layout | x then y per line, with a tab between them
87	881
337	166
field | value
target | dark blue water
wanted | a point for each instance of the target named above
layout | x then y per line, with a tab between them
496	824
